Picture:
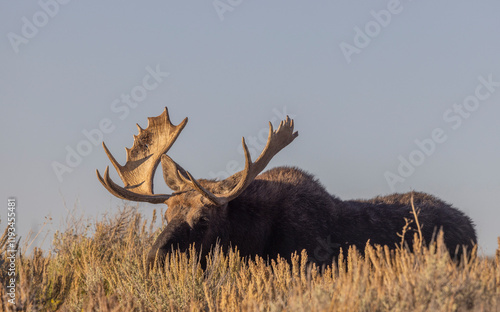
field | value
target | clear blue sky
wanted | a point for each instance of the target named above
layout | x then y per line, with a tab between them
387	96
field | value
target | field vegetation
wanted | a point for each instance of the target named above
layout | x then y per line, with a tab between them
101	266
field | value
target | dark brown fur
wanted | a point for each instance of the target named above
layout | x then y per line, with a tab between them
285	210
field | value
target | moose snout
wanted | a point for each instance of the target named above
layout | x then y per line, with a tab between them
175	236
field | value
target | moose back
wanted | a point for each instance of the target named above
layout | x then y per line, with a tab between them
273	213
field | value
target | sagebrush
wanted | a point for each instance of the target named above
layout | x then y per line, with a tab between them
102	266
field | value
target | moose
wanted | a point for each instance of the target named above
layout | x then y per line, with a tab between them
273	213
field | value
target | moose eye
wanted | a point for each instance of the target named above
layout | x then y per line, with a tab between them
203	221
198	224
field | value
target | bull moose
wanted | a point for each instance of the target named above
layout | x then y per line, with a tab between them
277	212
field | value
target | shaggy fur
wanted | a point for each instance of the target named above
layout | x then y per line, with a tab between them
286	209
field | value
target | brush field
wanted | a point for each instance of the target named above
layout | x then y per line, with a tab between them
100	266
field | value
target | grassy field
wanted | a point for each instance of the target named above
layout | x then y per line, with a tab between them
100	266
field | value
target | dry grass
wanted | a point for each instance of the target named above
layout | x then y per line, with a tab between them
102	268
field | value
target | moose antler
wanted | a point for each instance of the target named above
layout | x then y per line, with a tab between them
142	159
276	141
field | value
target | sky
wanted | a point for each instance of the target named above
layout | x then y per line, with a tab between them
387	96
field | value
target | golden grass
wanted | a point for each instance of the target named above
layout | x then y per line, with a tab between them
102	267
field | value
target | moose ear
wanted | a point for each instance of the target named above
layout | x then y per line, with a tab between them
171	175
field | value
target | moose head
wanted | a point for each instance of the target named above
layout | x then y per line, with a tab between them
197	208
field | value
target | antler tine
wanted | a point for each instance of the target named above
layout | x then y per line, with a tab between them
276	141
197	186
115	164
123	193
246	174
221	200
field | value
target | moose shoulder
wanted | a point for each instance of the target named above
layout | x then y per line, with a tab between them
277	212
